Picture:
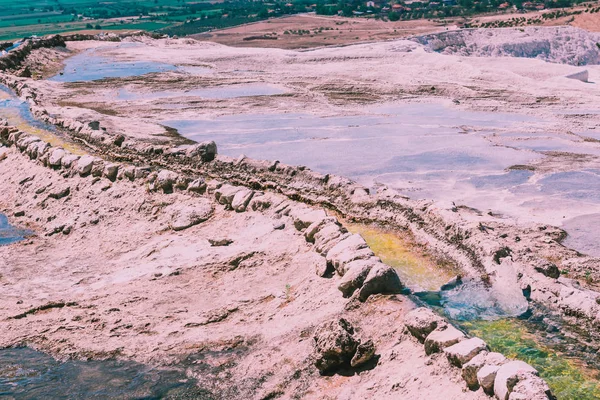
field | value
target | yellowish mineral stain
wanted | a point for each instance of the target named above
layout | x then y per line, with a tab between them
416	268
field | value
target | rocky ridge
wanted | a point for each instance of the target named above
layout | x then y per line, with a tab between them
361	273
482	245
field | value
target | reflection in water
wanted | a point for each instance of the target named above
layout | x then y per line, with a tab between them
18	114
29	374
89	67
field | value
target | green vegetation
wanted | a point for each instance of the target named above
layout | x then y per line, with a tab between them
185	17
173	17
567	379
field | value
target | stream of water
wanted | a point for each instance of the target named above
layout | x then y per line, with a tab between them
571	370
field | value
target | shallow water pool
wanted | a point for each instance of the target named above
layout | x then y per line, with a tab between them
10	234
30	374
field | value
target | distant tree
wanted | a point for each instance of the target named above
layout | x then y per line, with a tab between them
393	16
98	27
89	26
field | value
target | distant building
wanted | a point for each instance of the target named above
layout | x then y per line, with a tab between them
504	6
371	4
530	5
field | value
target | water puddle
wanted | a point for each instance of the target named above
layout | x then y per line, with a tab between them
29	374
221	92
86	67
10	234
416	270
18	114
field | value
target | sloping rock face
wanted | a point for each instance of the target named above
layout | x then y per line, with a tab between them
565	45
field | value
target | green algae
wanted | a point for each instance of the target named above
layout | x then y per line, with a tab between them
413	265
567	377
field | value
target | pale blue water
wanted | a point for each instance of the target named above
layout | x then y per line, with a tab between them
10	234
224	92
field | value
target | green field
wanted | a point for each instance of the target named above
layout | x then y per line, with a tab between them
42	17
173	17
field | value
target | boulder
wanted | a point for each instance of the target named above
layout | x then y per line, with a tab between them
183	217
303	220
165	180
531	387
68	160
334	345
205	151
441	338
197	186
485	378
83	166
464	351
55	157
241	199
59	192
312	229
422	321
355	276
364	353
351	248
470	369
507	377
110	171
382	279
225	194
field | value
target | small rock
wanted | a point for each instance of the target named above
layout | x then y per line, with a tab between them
55	158
206	151
59	193
486	376
382	279
278	226
441	338
197	186
304	219
220	242
355	276
20	213
421	322
68	160
507	377
351	248
83	166
462	352
110	171
470	369
241	199
364	353
530	387
334	345
165	180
